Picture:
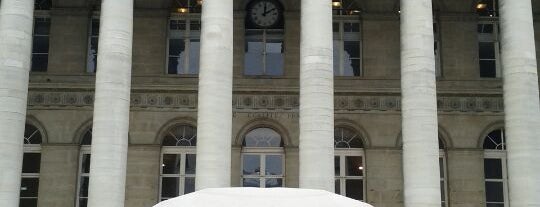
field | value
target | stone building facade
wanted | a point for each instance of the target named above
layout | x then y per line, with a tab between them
265	102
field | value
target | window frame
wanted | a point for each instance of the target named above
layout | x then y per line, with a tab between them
444	177
342	153
187	36
31	149
262	152
499	154
342	38
44	14
95	17
490	38
183	151
83	150
264	40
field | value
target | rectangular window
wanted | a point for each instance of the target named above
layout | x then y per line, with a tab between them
437	49
488	50
347	48
264	52
40	45
442	168
84	177
262	170
349	174
30	177
495	179
93	37
184	45
177	172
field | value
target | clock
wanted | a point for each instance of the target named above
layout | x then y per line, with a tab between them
264	13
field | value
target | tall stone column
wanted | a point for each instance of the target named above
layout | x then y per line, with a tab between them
419	106
16	19
316	148
521	104
111	105
214	120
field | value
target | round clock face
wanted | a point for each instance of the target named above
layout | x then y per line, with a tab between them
264	13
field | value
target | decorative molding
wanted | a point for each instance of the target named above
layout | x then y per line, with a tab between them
252	102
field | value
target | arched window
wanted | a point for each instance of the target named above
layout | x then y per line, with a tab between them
443	170
495	169
262	159
84	169
349	163
177	173
31	166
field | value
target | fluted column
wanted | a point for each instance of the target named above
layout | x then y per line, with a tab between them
214	118
521	104
419	106
316	96
111	105
16	18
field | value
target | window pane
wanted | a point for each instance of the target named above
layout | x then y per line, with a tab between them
95	27
338	187
485	28
493	168
495	205
274	57
190	163
42	26
85	165
262	137
274	165
177	56
251	182
273	182
83	202
194	50
443	191
352	67
29	187
177	25
92	55
494	140
252	165
494	192
253	60
83	188
40	62
488	68
28	202
40	44
486	50
189	185
354	189
31	135
169	187
171	164
351	27
336	166
354	166
194	25
31	162
352	49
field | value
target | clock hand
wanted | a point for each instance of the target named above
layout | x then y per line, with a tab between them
264	13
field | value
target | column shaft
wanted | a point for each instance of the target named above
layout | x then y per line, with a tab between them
316	96
16	18
111	105
214	122
521	103
419	106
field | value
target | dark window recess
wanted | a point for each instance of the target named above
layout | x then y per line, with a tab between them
493	168
40	44
488	63
43	4
31	162
494	191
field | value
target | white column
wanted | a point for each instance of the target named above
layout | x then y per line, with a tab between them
16	19
521	104
419	106
214	122
111	105
316	96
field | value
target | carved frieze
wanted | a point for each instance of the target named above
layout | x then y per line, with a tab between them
41	99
